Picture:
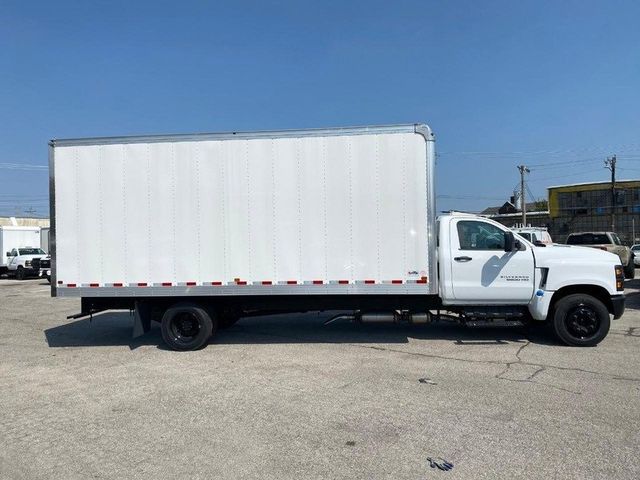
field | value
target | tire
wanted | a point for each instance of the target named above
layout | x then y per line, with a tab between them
630	270
186	326
20	273
580	320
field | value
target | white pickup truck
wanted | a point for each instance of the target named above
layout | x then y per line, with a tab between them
20	261
300	220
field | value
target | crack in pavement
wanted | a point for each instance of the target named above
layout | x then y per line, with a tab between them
507	365
530	378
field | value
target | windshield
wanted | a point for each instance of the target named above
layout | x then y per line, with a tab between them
31	251
588	239
635	248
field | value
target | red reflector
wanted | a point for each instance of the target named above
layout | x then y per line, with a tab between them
266	282
318	282
94	285
191	284
166	284
72	285
216	283
422	280
396	281
117	284
369	281
241	282
142	284
292	282
343	282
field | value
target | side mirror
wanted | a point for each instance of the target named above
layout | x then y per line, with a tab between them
8	254
509	242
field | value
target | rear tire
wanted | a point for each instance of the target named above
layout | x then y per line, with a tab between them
630	270
580	320
186	326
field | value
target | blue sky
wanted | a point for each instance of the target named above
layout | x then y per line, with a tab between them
555	85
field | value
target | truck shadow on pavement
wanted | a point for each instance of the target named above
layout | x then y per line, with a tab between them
115	329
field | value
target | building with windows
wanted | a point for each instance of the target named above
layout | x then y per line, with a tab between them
581	207
588	207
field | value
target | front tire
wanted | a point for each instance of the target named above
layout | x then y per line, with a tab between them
20	273
186	326
580	320
630	270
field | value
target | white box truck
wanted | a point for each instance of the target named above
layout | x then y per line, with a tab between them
18	246
196	231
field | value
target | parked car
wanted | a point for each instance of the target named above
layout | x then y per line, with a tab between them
636	254
609	242
536	235
20	261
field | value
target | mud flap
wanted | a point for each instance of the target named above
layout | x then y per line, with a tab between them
141	319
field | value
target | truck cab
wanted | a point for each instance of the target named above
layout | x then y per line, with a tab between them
486	270
20	261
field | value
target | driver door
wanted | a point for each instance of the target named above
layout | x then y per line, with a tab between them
481	271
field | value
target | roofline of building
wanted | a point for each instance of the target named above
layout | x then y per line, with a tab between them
604	182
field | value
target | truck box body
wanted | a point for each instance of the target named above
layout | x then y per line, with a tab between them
333	211
13	237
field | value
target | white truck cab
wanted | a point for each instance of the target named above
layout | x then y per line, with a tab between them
19	261
483	264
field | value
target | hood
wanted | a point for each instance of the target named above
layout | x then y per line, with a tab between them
570	255
31	257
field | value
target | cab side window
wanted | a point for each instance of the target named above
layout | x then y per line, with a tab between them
475	235
616	239
14	253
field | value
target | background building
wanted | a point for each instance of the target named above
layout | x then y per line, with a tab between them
581	207
588	206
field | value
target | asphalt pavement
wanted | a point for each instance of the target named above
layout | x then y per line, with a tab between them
287	397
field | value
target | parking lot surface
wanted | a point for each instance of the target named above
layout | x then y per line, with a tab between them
286	397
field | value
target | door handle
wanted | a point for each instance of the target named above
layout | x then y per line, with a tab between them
463	259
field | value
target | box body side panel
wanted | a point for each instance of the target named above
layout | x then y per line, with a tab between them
344	209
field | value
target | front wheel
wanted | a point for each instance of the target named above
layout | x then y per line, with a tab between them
186	326
581	320
20	273
630	270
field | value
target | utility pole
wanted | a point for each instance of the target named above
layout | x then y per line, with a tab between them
523	200
610	163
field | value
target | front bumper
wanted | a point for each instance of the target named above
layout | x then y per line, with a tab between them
617	302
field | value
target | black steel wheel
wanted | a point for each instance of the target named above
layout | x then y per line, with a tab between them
581	320
186	326
20	273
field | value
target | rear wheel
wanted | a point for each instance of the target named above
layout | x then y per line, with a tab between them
581	320
630	269
186	326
